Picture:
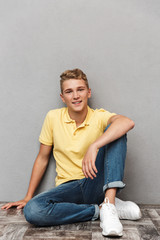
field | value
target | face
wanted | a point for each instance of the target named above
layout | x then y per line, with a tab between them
75	95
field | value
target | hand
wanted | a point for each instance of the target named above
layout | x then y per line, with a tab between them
88	164
20	204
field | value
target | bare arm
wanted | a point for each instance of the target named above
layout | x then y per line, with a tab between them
120	125
38	171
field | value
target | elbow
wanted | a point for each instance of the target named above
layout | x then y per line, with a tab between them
131	124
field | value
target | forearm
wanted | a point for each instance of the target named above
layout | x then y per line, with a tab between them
120	126
38	171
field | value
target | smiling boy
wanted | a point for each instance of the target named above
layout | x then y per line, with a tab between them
89	147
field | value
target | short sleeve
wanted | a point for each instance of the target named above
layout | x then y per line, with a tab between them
46	135
104	117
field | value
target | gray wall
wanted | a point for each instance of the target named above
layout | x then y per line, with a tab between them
116	43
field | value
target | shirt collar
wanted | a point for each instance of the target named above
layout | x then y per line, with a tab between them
86	122
67	118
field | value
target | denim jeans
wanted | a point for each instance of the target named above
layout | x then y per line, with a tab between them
78	200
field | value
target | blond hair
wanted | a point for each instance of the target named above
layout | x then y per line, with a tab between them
73	74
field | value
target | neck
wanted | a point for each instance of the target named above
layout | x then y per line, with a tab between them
79	117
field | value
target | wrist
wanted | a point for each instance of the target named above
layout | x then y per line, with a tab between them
27	197
95	145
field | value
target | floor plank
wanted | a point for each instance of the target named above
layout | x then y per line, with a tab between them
13	226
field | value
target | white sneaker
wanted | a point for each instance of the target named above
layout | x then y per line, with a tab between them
109	220
127	210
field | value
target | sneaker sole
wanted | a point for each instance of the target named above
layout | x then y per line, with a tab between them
111	233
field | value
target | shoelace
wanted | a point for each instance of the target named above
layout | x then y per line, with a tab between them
110	207
106	201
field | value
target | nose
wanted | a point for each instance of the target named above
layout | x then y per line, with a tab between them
75	95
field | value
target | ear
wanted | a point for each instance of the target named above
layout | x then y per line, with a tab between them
89	93
61	95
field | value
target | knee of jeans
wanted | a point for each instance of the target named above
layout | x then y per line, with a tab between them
124	138
31	212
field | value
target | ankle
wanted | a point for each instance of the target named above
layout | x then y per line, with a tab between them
110	195
107	200
110	199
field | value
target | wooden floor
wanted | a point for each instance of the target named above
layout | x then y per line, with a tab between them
14	227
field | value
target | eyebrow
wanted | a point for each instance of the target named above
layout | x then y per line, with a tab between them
68	89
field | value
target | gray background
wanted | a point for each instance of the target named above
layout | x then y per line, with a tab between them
116	43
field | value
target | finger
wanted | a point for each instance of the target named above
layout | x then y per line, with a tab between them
7	206
94	167
84	169
88	171
20	206
13	204
92	173
4	206
91	170
85	173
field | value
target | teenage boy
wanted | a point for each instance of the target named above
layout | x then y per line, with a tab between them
89	147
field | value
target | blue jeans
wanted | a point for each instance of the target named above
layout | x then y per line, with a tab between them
78	200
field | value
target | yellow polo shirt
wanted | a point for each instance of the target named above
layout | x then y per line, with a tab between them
70	143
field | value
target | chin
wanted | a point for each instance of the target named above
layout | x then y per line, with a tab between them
78	109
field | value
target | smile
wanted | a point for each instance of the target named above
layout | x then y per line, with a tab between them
77	102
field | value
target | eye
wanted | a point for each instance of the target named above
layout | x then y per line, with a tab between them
68	91
81	89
